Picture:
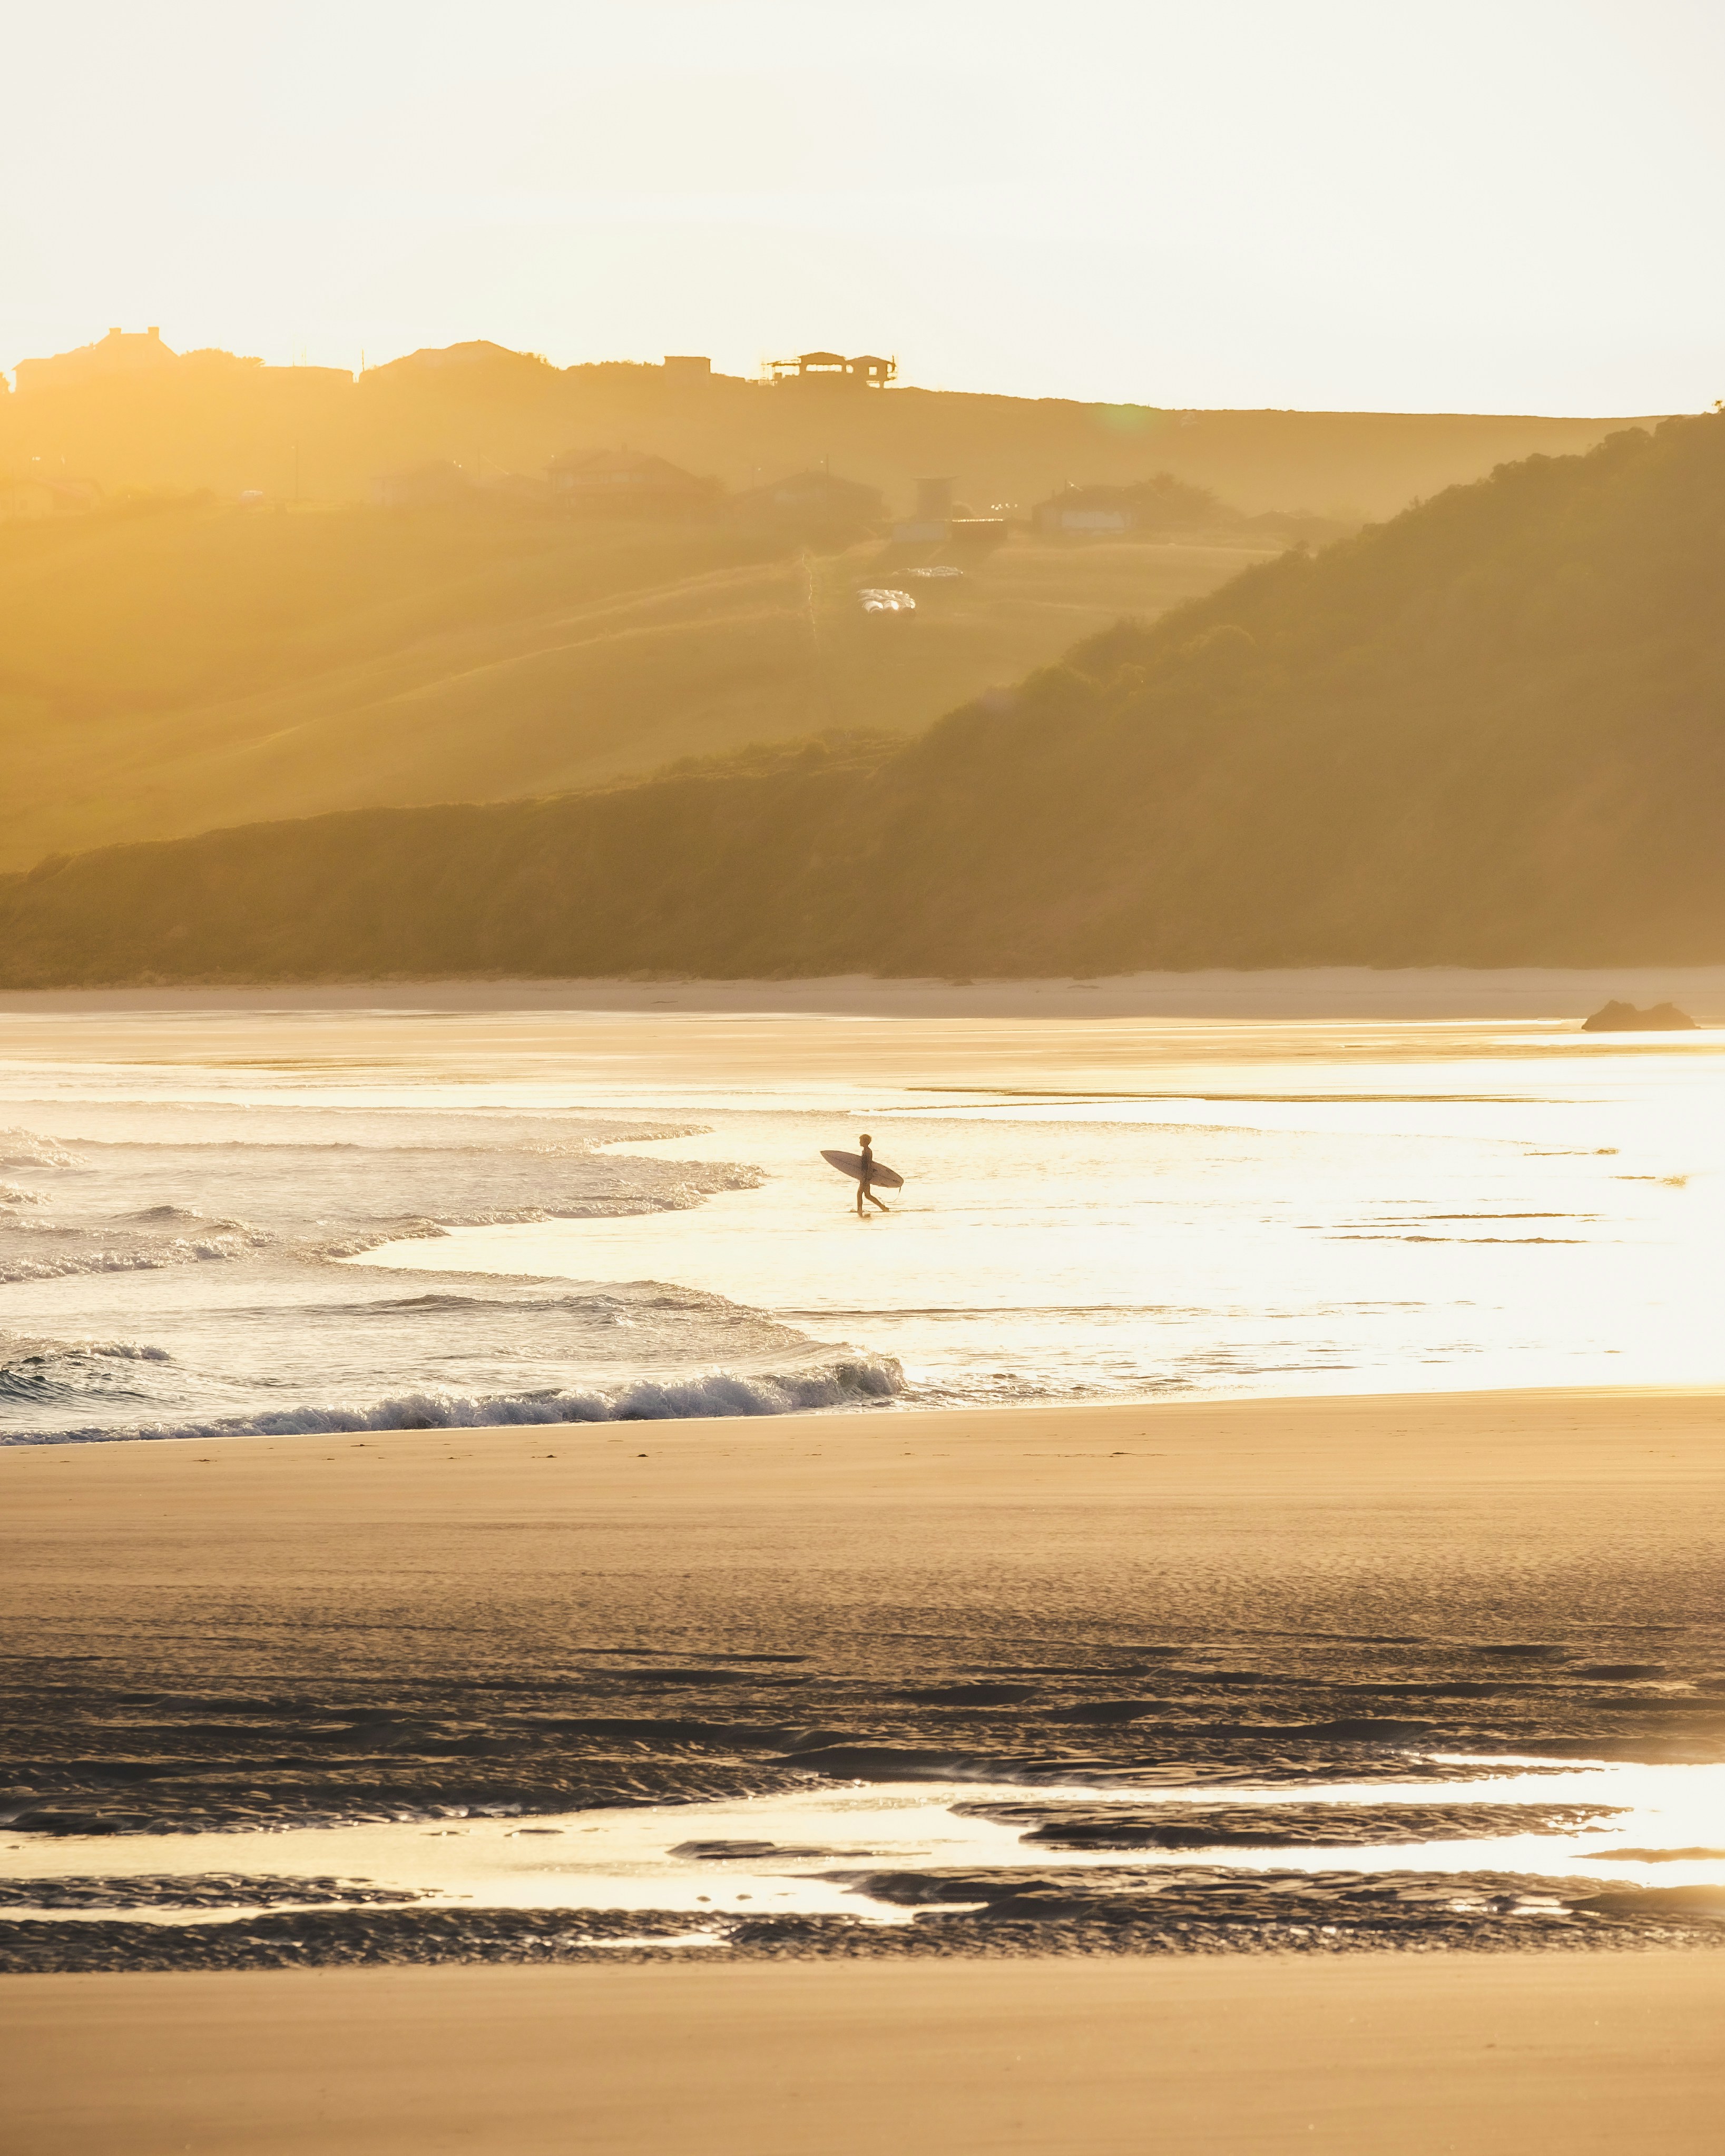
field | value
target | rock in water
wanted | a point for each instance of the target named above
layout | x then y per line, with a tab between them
1624	1018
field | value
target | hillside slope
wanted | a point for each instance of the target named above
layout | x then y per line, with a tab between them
167	670
1491	732
310	434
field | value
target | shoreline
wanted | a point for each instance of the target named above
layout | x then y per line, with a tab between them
1586	1403
1337	994
1585	1407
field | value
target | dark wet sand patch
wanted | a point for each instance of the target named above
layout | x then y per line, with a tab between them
88	1750
1192	1910
203	1890
1291	1825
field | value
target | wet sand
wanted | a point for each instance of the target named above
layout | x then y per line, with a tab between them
1498	2057
305	1629
1353	994
378	1608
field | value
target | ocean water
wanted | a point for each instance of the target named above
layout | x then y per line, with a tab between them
239	1221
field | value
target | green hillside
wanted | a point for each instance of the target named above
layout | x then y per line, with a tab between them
169	667
1490	732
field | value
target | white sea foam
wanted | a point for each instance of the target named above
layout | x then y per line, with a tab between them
179	1250
1185	1225
859	1381
16	1270
22	1148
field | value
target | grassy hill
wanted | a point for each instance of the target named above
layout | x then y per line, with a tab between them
169	667
1491	732
304	433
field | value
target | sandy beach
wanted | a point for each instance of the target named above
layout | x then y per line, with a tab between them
1516	1514
1591	2056
285	1570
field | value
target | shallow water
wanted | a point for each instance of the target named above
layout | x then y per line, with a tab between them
847	1851
216	1224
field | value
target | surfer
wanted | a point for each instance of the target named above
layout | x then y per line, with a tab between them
865	1145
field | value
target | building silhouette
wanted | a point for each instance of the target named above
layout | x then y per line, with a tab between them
867	371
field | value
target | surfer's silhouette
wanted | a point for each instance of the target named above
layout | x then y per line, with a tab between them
865	1145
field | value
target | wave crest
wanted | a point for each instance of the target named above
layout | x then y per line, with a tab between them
854	1381
42	1372
22	1148
178	1251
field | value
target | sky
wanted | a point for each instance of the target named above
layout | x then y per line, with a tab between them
1394	206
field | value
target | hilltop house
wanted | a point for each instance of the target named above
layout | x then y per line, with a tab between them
811	504
629	483
867	371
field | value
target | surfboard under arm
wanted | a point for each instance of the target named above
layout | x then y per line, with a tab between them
850	1164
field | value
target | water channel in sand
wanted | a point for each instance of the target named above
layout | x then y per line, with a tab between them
814	1852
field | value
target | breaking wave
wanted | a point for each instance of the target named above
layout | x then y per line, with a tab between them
22	1148
277	1338
180	1250
43	1373
855	1381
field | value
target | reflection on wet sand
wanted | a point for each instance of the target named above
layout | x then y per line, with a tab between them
1406	1672
1608	1848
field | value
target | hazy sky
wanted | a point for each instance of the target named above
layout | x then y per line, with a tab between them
1514	207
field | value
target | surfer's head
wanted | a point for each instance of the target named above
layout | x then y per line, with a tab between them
866	1139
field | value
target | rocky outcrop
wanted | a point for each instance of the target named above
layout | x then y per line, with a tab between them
1624	1018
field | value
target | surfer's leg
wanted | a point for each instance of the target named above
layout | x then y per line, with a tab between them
873	1200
